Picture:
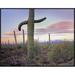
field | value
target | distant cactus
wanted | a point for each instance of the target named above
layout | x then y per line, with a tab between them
15	39
8	43
30	30
23	38
49	40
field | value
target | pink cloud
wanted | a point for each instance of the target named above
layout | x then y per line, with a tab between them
63	26
59	27
41	30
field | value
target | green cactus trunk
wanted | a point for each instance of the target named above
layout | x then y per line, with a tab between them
30	31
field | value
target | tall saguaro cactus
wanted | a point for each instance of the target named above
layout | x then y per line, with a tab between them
30	31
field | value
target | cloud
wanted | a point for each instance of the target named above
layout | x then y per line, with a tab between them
62	25
17	32
12	33
40	31
59	27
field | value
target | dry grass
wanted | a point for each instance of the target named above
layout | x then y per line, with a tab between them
61	54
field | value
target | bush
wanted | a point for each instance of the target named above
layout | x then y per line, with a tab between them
61	52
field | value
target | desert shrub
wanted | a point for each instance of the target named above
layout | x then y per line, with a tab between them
61	52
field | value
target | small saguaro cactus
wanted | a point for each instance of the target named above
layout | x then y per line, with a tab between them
15	39
30	31
23	38
49	39
8	43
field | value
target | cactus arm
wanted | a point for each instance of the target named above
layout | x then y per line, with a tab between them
40	20
26	22
21	24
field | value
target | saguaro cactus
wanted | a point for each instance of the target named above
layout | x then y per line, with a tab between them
15	39
24	47
23	38
8	43
49	40
30	30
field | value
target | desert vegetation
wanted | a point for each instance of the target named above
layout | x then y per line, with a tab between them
60	54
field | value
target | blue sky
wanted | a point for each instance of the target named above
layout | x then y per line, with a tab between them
10	18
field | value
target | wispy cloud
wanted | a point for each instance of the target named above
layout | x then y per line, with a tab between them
63	26
59	27
11	33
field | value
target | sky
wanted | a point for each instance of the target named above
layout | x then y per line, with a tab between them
59	23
